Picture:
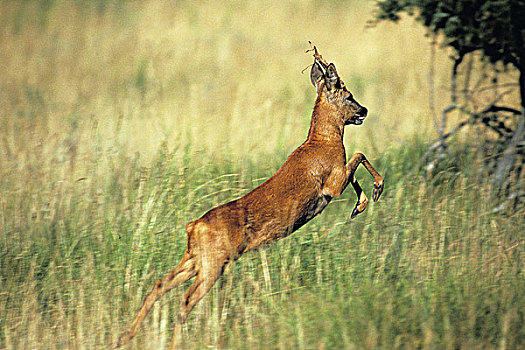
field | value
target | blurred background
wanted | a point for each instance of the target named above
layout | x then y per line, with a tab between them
225	78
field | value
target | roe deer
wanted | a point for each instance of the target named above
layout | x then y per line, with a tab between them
303	186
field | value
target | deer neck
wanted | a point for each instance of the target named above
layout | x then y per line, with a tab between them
325	125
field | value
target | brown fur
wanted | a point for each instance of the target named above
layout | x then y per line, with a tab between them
312	175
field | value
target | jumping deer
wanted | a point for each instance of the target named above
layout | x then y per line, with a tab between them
301	188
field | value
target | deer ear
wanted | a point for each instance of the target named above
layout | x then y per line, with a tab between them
317	73
331	76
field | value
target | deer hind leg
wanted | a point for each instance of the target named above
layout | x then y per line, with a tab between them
183	272
206	278
357	159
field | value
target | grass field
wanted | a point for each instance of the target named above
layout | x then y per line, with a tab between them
122	121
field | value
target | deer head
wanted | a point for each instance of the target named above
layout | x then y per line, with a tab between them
332	89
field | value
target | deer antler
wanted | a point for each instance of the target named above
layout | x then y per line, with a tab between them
323	65
317	56
328	69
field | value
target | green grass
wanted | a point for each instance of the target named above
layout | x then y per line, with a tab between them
428	266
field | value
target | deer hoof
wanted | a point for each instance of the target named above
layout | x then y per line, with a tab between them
378	189
355	211
359	208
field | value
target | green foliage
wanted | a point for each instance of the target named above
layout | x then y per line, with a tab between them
495	27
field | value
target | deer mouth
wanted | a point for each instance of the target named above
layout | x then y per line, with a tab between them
360	116
359	119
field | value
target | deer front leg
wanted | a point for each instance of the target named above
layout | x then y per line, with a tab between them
362	200
351	167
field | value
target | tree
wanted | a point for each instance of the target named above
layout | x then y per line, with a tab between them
496	28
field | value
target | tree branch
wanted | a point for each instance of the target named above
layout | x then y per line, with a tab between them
494	109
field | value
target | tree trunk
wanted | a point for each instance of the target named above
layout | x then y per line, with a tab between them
511	152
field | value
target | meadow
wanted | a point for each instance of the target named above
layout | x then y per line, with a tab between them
121	121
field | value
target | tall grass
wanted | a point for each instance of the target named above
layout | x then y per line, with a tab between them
203	71
429	266
121	121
